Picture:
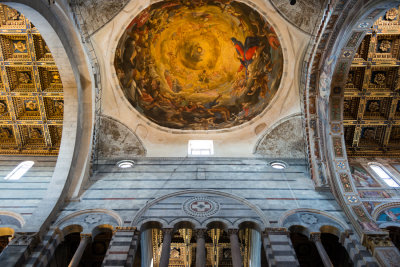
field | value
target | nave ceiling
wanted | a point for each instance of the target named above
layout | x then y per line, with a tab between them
31	92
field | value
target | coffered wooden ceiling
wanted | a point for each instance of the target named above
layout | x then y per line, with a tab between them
371	106
217	244
31	93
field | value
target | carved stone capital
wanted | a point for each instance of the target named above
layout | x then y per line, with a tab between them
125	228
315	237
233	231
276	231
200	233
25	239
344	235
374	241
88	236
168	231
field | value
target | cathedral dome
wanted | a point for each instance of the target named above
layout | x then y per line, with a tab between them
206	65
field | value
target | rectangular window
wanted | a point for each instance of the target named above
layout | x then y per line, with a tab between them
19	171
384	176
200	148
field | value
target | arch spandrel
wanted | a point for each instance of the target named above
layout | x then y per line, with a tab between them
88	221
11	219
313	221
200	208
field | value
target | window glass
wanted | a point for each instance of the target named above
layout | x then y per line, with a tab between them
384	175
19	171
200	147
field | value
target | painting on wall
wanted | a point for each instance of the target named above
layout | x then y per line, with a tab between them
390	215
361	177
370	206
199	65
374	194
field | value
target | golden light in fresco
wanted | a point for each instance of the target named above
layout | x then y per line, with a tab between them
199	65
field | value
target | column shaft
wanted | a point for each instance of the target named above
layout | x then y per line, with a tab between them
255	249
85	239
200	249
166	248
316	238
146	247
235	249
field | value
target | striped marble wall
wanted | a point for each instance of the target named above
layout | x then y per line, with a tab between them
273	191
22	196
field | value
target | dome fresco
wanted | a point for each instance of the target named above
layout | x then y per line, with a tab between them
200	65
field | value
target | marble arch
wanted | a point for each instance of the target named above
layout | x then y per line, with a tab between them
200	217
89	220
313	220
323	91
11	219
74	72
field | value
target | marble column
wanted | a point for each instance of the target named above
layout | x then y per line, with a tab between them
85	240
166	247
146	248
235	248
200	248
255	249
316	238
279	248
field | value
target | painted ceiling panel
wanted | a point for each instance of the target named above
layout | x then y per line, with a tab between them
203	65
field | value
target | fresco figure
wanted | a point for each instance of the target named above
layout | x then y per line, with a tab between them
389	215
182	64
361	178
246	51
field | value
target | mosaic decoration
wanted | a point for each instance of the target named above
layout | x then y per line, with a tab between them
31	117
352	199
92	218
361	177
335	128
340	164
389	215
344	178
308	218
337	146
335	110
198	65
354	39
200	207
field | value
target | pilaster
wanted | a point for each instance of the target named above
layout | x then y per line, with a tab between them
278	248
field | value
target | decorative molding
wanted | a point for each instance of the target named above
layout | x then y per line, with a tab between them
200	207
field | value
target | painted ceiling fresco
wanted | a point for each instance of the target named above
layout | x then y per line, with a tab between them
199	65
